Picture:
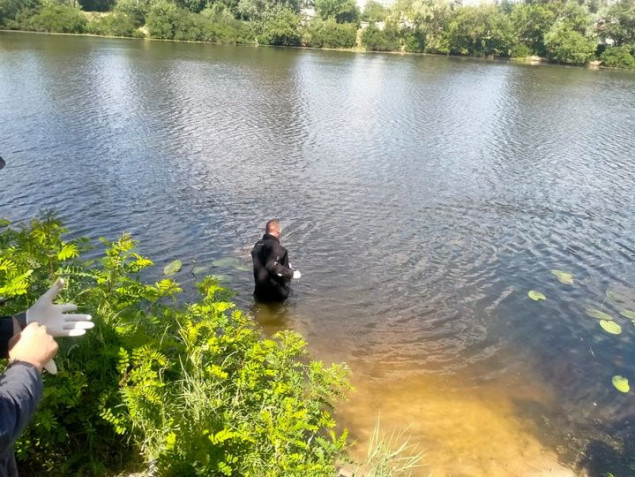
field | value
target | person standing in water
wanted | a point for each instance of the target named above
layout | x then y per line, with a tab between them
272	271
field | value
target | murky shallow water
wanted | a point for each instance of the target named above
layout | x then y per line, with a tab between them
422	199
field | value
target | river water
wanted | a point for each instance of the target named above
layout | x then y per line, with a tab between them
421	197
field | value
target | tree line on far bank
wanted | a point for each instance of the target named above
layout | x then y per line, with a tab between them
562	31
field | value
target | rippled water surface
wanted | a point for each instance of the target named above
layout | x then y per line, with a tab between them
422	198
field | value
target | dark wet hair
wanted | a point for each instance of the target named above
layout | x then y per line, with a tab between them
2	163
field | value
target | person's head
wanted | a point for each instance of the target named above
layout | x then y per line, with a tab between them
2	163
273	228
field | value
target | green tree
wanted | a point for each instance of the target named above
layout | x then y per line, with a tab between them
97	5
195	6
115	24
618	23
531	21
167	21
480	31
57	19
162	20
137	10
566	45
618	57
387	39
342	11
257	10
329	34
281	27
427	19
414	40
374	12
576	17
10	9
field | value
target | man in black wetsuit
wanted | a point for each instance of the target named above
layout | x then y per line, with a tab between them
272	272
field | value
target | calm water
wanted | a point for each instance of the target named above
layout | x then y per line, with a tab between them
422	198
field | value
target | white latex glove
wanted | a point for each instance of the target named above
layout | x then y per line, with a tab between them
57	321
296	274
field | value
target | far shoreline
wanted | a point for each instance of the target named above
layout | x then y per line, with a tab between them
523	61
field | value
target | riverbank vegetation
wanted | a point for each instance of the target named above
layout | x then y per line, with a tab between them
560	31
185	388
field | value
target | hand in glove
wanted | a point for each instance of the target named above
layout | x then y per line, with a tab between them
296	274
57	322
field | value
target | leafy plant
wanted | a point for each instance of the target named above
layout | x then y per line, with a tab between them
281	27
112	24
329	34
618	57
387	39
193	389
57	19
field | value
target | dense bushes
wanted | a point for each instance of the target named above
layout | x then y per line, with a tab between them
166	21
414	40
618	57
480	31
565	45
387	39
329	34
57	19
115	24
192	388
281	27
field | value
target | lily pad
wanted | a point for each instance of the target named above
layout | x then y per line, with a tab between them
600	315
563	277
536	295
621	384
628	314
226	262
621	295
222	278
611	327
172	267
242	268
199	270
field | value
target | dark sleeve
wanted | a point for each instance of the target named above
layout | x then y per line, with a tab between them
276	263
6	332
20	392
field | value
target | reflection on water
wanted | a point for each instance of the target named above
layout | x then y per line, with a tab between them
421	198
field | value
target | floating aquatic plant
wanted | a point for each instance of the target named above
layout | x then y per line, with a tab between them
563	277
621	384
225	262
611	327
172	267
199	270
628	314
600	315
536	295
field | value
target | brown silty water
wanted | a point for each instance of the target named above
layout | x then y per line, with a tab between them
460	426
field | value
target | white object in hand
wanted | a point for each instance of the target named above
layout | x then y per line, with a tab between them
296	274
56	319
